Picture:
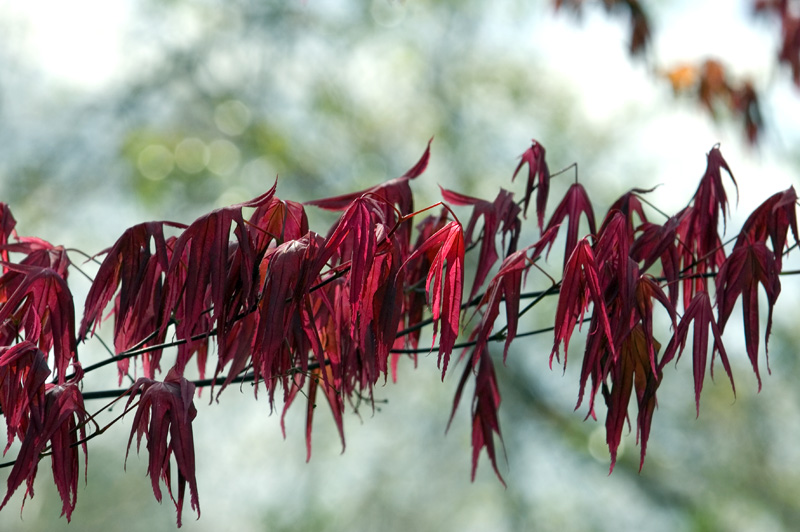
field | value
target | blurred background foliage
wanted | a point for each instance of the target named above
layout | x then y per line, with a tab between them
202	103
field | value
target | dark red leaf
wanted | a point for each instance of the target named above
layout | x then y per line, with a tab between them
537	166
749	264
575	202
485	423
42	306
633	370
133	269
285	331
198	276
579	285
501	215
23	373
415	272
164	416
505	286
354	238
447	276
701	250
63	415
701	314
772	219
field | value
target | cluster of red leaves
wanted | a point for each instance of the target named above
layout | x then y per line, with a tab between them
298	313
609	271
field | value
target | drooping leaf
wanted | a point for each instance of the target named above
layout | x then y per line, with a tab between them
616	271
23	373
701	249
575	202
64	417
579	286
749	264
42	306
198	276
699	313
772	219
416	271
132	275
633	371
485	423
505	286
164	417
285	331
125	268
354	238
447	277
501	215
534	157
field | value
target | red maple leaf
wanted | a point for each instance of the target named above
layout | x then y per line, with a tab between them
415	298
537	167
41	305
354	237
579	286
285	331
485	423
772	219
447	277
575	202
200	274
124	268
23	373
701	251
485	405
500	215
699	313
633	371
395	192
164	416
132	275
278	220
64	418
749	264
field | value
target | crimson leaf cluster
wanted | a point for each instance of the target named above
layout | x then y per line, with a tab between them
304	316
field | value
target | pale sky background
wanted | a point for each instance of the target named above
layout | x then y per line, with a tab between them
82	46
